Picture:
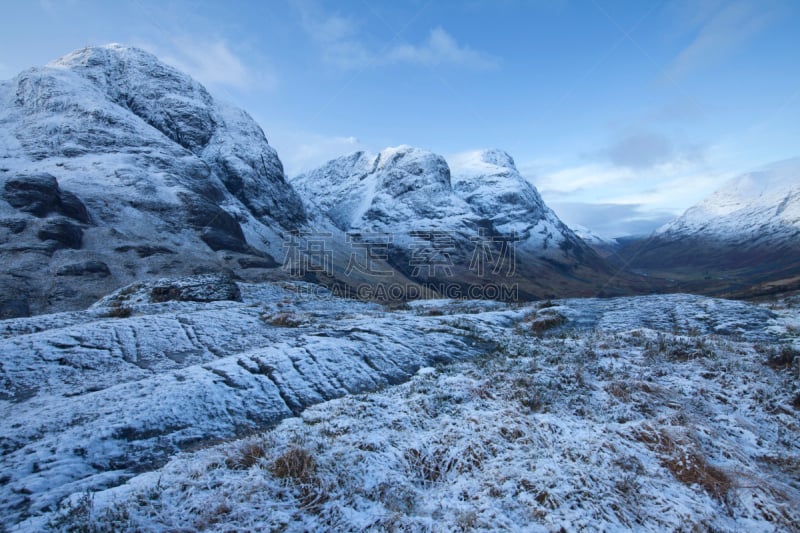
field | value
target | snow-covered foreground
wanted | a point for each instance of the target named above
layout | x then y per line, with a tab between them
654	412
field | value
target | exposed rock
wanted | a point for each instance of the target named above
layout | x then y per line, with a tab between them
217	239
200	288
14	308
258	262
145	250
40	195
96	268
37	194
61	230
71	206
16	225
205	215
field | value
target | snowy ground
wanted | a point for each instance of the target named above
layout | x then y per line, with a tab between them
665	412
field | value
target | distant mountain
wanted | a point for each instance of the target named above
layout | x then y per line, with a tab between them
412	195
749	229
115	166
755	208
591	238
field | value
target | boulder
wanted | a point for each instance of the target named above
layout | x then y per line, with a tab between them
37	194
62	231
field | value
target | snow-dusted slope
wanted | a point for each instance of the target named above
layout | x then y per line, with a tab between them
630	411
404	189
761	205
751	225
591	238
484	209
398	190
490	182
89	398
110	157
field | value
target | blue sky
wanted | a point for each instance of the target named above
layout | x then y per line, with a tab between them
622	113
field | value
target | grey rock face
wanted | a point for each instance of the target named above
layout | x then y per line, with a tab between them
110	156
14	308
61	231
201	288
85	268
40	195
36	194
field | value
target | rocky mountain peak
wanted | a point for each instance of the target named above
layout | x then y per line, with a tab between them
106	152
406	169
170	101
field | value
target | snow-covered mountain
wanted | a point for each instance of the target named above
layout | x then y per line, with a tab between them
414	196
759	206
750	225
490	183
115	166
592	238
403	189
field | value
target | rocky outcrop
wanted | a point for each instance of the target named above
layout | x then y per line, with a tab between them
109	156
40	195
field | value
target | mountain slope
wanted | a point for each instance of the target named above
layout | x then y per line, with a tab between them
763	205
481	224
745	235
115	166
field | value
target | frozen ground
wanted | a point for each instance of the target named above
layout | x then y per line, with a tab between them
294	410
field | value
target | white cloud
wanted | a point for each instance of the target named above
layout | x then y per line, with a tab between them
5	72
303	151
616	201
212	63
592	177
722	32
340	44
335	35
612	220
671	187
440	48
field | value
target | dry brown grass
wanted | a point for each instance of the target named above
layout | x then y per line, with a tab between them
246	455
542	324
295	464
429	465
119	311
683	458
282	320
783	358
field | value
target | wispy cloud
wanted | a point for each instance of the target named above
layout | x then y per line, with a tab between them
723	28
615	201
335	35
303	151
340	43
441	48
213	63
5	72
581	178
612	220
643	150
671	186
